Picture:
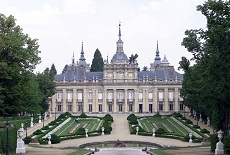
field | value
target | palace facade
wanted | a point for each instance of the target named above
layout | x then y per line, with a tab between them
120	88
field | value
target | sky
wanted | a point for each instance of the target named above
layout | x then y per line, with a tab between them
62	25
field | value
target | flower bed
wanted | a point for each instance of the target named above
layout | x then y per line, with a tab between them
74	128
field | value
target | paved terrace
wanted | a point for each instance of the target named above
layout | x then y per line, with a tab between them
120	131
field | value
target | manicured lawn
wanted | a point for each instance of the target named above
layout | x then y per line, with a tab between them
169	125
91	124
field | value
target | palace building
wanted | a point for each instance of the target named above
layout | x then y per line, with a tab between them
120	88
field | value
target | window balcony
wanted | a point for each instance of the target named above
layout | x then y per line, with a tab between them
120	100
100	100
69	100
59	100
160	99
171	99
80	100
90	100
109	100
150	100
140	99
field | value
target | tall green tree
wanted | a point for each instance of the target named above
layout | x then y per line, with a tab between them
46	87
206	85
53	70
18	58
97	63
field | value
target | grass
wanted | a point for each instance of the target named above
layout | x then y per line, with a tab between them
80	151
172	126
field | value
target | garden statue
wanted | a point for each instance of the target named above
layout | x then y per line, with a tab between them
31	123
49	137
39	119
219	146
20	143
102	130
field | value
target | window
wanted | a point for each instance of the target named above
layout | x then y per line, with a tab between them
160	106
69	97
69	107
100	96
90	97
110	108
120	96
59	97
130	107
100	107
130	95
170	96
150	108
80	108
171	106
110	95
59	106
150	95
120	107
160	96
90	108
79	97
181	106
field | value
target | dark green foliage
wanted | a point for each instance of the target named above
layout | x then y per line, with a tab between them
37	132
213	139
54	139
160	131
196	126
45	128
226	142
108	117
132	119
43	141
206	84
83	115
131	116
188	121
53	70
177	114
97	63
157	115
80	131
27	140
12	135
53	123
204	131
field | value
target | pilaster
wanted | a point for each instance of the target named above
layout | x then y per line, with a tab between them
136	102
74	100
166	100
104	100
85	103
64	100
115	100
126	98
155	100
176	100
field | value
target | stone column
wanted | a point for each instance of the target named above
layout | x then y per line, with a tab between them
126	98
104	100
94	100
176	97
146	103
74	101
85	103
136	102
64	100
155	100
166	100
114	100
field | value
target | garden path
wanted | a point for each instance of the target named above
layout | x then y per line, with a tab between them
120	125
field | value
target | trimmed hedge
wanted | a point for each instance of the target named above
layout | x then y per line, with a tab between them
226	142
54	139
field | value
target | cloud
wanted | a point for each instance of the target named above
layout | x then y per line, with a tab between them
79	6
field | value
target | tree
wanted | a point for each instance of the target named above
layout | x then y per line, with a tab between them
145	68
46	87
53	70
97	63
206	85
18	58
132	58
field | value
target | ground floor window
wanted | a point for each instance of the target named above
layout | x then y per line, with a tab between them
69	107
181	107
110	108
120	108
80	108
90	108
161	106
59	107
100	107
130	107
171	106
150	108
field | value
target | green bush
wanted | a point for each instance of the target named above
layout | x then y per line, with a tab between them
54	139
45	128
43	141
188	121
160	131
53	123
80	131
226	142
196	126
27	140
204	131
133	122
175	114
37	132
83	115
108	117
131	117
213	139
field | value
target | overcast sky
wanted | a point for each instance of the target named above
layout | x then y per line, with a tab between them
61	26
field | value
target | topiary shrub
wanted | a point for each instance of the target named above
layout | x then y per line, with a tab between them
45	128
43	141
108	117
205	131
53	123
83	115
80	131
133	122
188	121
196	126
226	142
27	140
131	117
175	114
37	132
54	139
160	131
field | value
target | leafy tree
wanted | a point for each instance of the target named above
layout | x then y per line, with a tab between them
184	64
46	87
18	58
145	68
132	58
206	84
53	70
97	63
